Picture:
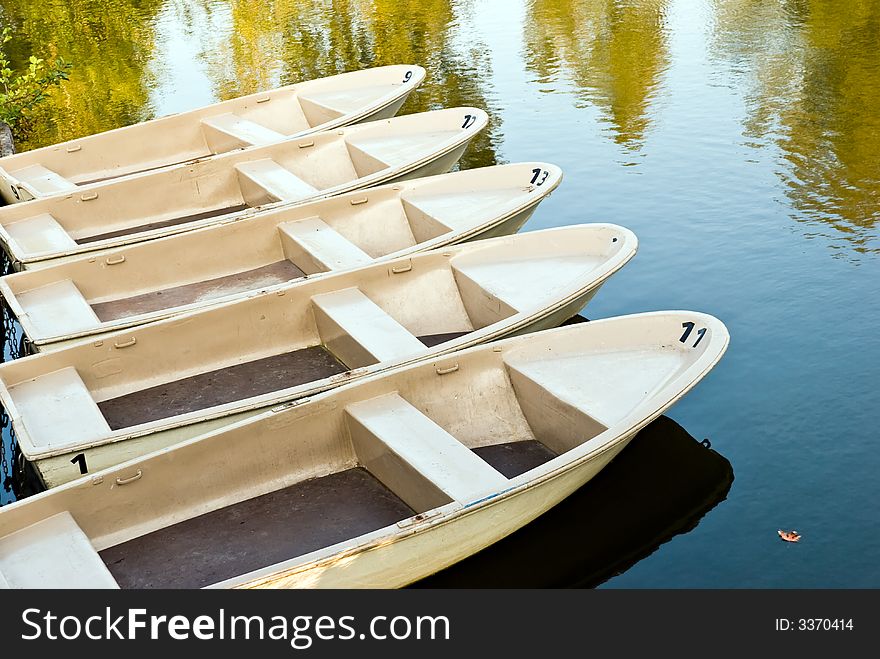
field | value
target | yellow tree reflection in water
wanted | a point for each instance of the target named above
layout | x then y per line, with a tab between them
316	38
614	52
109	43
817	81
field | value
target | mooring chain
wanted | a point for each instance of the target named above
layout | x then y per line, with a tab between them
13	341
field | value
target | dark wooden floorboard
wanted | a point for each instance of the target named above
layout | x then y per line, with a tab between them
164	223
431	340
267	275
257	533
224	385
515	458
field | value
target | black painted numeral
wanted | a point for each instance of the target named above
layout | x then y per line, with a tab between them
688	328
687	332
407	77
80	459
469	120
537	172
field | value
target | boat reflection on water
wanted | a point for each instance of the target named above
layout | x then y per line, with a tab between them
660	486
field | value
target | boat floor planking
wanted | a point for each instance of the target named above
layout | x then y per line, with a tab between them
151	227
239	282
257	532
221	386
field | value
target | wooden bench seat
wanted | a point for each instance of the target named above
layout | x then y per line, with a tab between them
40	233
53	553
261	177
228	131
358	331
43	181
416	458
314	246
59	409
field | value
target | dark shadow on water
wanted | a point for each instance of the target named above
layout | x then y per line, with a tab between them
660	486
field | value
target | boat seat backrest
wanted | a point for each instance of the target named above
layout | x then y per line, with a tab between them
228	131
315	111
43	181
358	331
414	457
423	223
265	181
58	409
40	233
483	305
553	401
58	308
53	553
313	246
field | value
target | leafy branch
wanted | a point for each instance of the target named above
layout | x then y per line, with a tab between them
20	93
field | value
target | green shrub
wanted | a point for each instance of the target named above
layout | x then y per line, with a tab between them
19	93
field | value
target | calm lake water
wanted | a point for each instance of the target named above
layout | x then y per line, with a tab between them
739	139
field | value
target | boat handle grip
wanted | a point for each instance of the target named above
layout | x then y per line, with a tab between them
130	479
126	344
264	99
303	145
398	269
358	202
115	260
74	149
448	369
89	196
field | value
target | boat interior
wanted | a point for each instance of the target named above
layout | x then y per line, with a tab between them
296	340
332	234
253	120
289	172
344	465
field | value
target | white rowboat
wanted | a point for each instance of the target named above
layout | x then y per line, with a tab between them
376	484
